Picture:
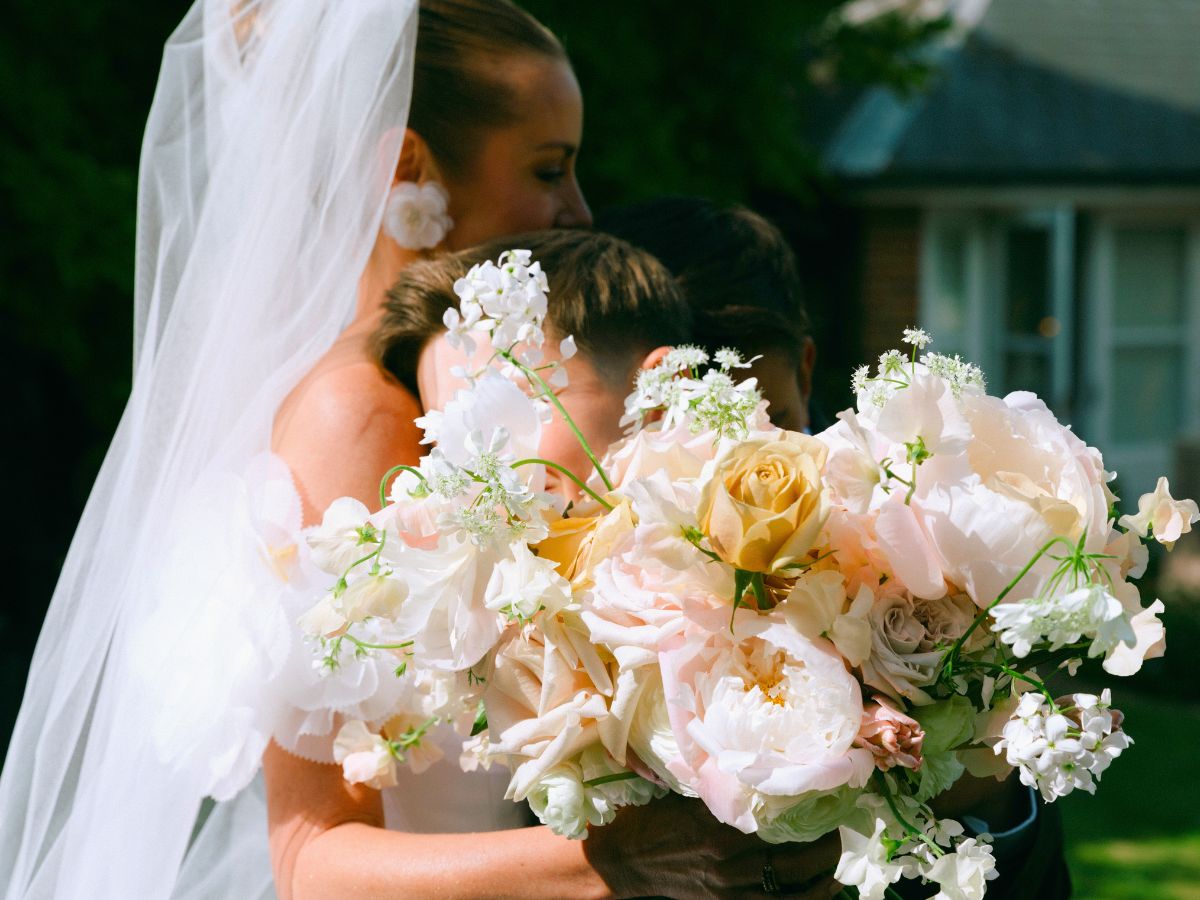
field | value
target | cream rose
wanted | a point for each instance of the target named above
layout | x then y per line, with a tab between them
765	503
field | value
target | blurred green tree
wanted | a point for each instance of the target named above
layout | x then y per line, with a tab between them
722	99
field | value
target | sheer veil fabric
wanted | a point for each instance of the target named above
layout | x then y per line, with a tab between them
271	142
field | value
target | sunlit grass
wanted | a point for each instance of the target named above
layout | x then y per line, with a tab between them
1139	836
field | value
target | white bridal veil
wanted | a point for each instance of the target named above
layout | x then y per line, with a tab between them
270	146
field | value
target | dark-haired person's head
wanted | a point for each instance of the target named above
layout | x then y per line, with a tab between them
619	303
739	277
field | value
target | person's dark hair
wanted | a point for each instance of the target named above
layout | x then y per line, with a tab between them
618	302
736	269
458	91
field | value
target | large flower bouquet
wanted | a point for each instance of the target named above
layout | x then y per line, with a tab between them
807	633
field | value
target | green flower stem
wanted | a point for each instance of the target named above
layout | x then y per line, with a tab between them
609	779
364	645
388	477
537	379
946	666
908	826
1013	673
564	470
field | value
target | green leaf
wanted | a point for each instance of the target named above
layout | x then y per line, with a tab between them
947	724
480	720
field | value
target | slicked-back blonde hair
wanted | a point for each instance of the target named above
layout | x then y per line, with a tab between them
459	90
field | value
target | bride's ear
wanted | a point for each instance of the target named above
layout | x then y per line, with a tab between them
416	162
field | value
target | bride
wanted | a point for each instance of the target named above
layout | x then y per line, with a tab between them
298	156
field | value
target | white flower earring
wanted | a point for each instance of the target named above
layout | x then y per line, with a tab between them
415	216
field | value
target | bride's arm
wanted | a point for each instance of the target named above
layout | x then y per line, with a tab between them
328	840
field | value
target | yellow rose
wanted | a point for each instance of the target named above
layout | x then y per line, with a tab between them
577	543
765	504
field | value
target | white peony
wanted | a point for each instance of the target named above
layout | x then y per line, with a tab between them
766	714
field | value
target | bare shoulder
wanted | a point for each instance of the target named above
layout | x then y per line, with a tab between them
342	427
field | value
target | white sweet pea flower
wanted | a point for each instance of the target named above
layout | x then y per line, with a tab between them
818	607
964	874
865	862
1164	516
926	411
365	757
338	541
1060	749
1090	612
523	584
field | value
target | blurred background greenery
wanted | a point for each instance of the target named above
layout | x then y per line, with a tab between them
825	115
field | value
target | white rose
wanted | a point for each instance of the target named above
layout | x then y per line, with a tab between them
559	800
416	214
897	665
814	815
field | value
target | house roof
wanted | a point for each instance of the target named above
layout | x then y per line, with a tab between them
1093	91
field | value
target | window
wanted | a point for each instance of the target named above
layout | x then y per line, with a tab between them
1140	356
997	289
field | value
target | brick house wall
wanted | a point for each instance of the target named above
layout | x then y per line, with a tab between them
889	280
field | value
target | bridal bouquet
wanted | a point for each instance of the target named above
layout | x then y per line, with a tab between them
807	633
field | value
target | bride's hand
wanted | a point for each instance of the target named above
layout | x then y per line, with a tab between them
674	847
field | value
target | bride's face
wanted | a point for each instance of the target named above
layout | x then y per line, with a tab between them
523	177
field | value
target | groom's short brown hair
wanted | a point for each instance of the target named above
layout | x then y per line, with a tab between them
618	302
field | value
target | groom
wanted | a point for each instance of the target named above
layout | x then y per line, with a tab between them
740	277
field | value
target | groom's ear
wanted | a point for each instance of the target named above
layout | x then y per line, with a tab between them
653	358
416	160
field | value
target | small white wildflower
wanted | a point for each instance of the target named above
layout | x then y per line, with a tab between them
893	362
858	381
567	347
917	337
684	358
728	358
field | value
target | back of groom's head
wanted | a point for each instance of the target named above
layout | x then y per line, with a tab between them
619	302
